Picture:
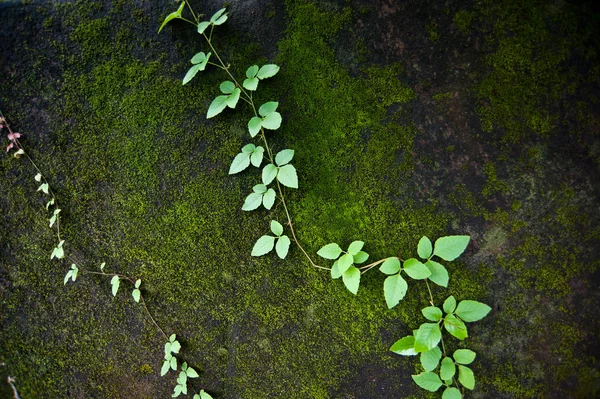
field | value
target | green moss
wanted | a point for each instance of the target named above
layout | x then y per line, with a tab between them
432	31
462	20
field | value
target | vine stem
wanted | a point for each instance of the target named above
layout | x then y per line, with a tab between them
10	381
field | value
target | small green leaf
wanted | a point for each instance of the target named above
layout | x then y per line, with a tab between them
233	98
282	247
415	269
335	271
263	246
449	304
216	16
455	326
250	84
287	176
173	363
439	274
427	336
431	358
165	368
114	282
330	251
191	373
471	311
466	377
177	391
451	247
38	177
259	188
361	257
432	313
191	74
240	162
202	26
136	295
68	276
448	369
272	121
182	379
175	346
451	393
268	108
276	228
227	87
102	266
464	356
424	248
254	125
172	338
283	157
390	266
198	58
268	173
267	71
428	381
138	282
52	220
344	262
44	188
51	202
394	290
257	156
173	15
351	278
252	71
404	346
217	106
252	202
355	247
204	395
269	198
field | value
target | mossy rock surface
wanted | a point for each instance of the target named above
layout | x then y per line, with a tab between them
407	119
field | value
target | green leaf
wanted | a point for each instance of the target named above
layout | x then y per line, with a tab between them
136	295
455	327
250	84
272	121
287	176
263	246
449	304
452	393
172	338
44	188
102	266
394	290
439	274
432	313
464	356
330	251
360	257
257	156
335	271
431	358
427	336
165	368
227	87
428	381
269	198
268	108
404	346
466	377
173	15
52	220
174	363
344	262
448	369
471	311
175	346
283	157
67	277
190	74
216	16
424	248
51	202
198	58
204	395
252	71
355	247
259	188
390	266
114	282
138	282
268	173
233	98
38	177
202	26
276	228
415	269
451	247
249	148
351	278
282	247
191	373
217	106
240	162
177	391
254	125
252	202
268	71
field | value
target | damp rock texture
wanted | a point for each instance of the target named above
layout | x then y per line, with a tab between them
407	118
